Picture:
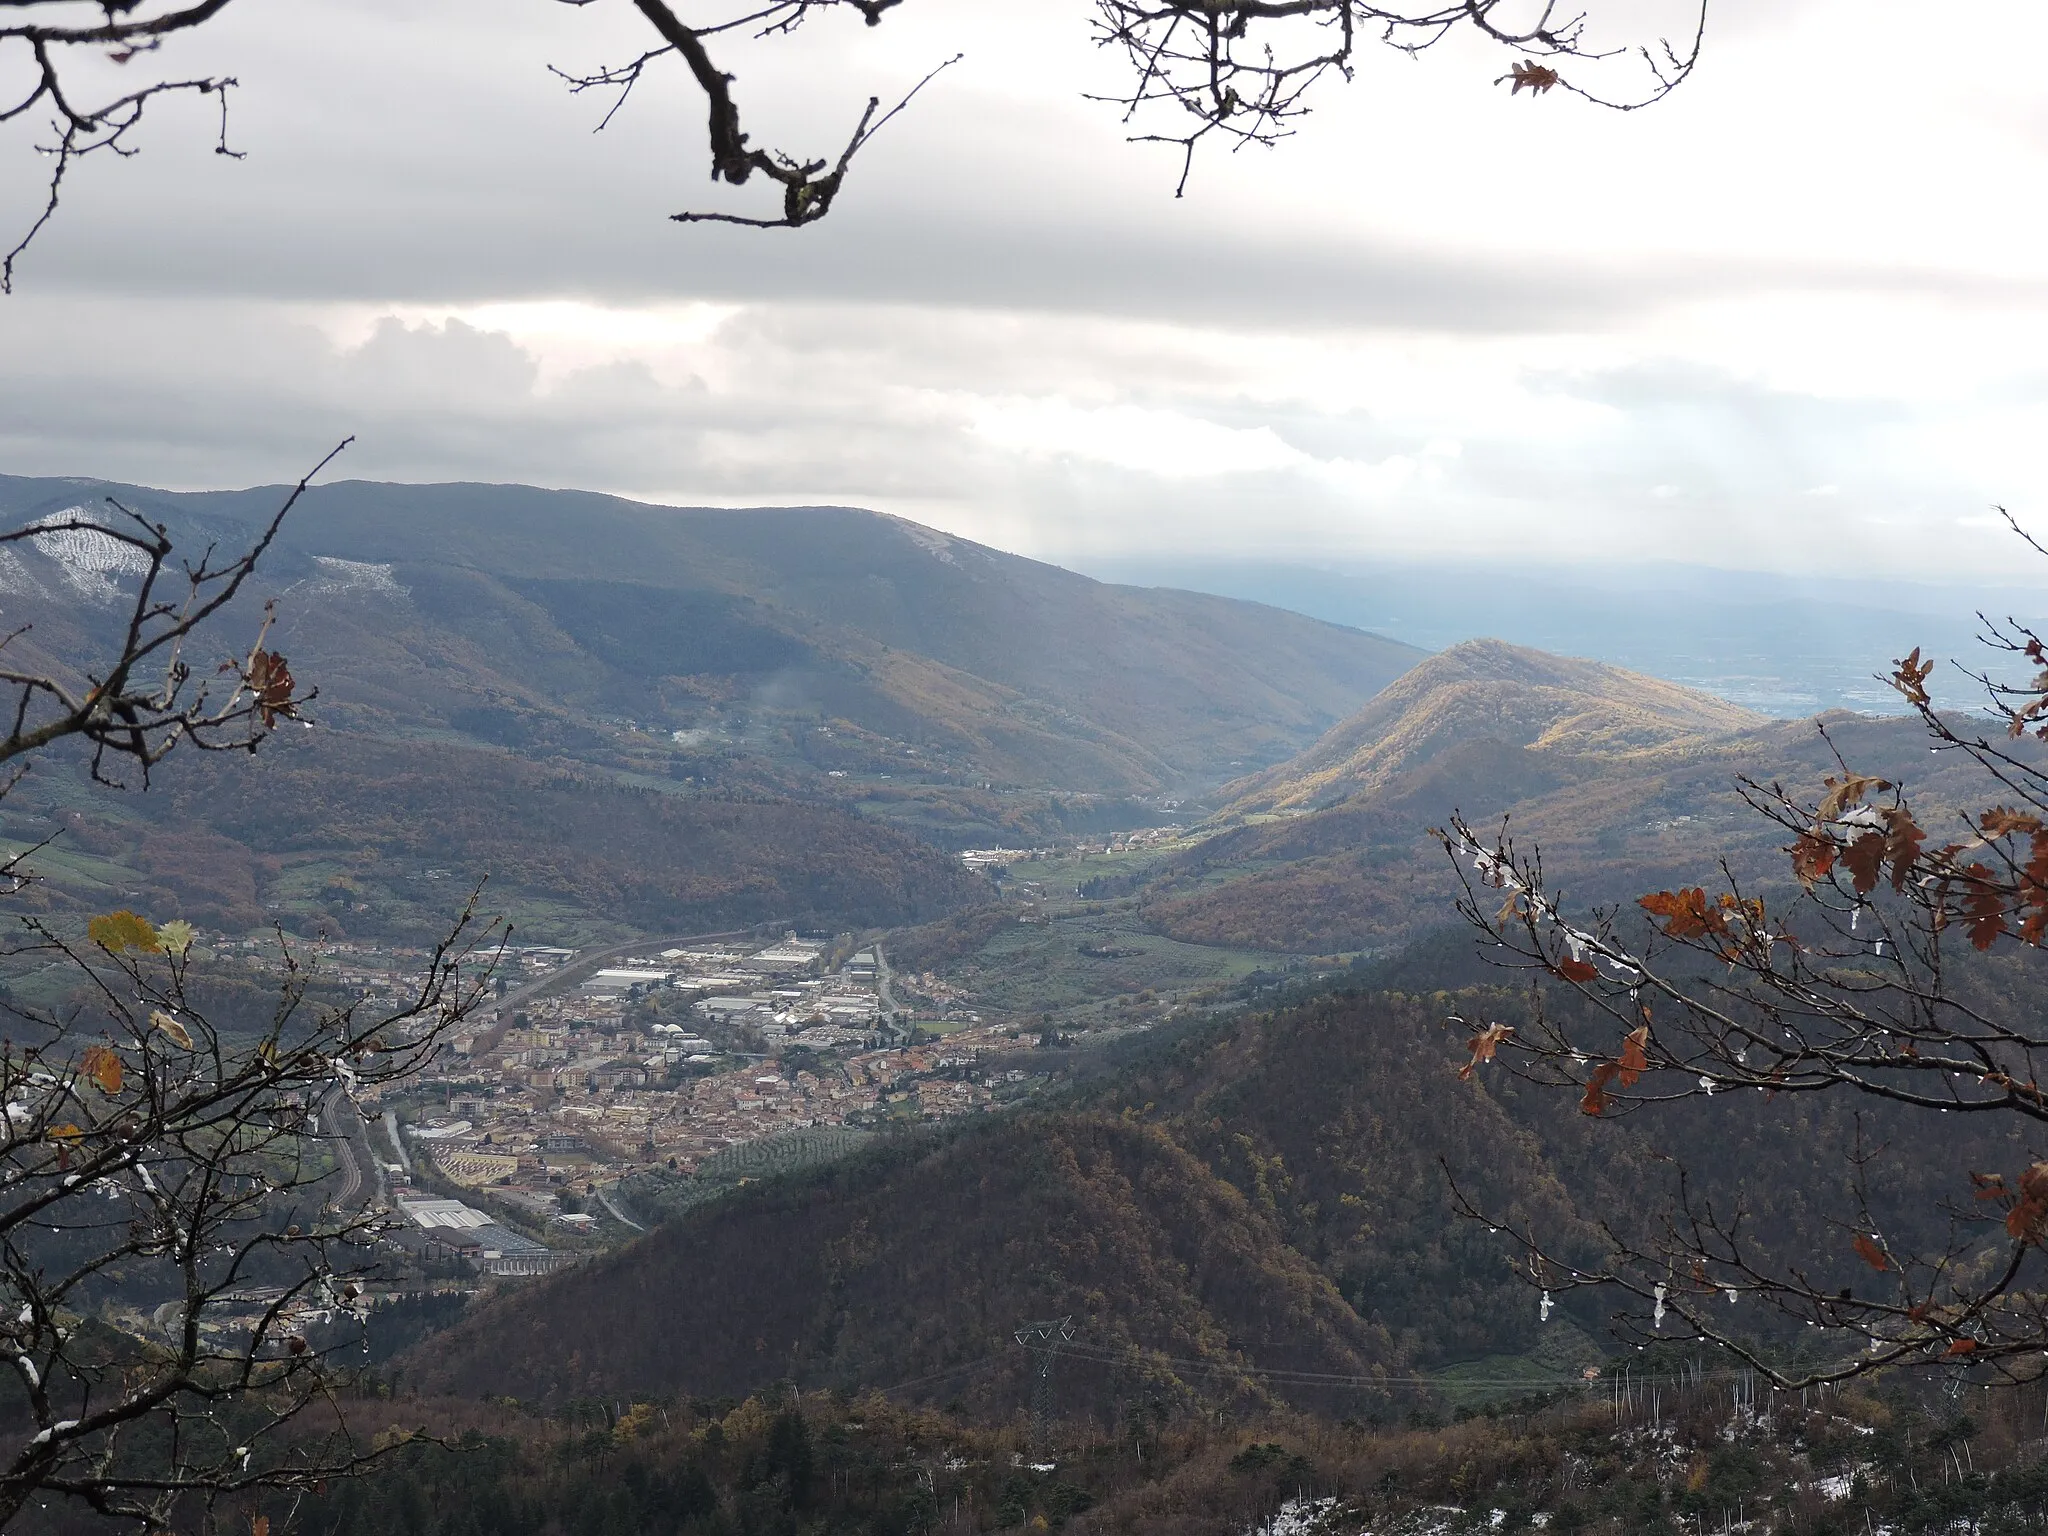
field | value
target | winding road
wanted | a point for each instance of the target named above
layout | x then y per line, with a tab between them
604	1197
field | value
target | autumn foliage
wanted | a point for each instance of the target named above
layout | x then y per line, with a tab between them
1880	965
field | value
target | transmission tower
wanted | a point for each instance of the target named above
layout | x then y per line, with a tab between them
1043	1339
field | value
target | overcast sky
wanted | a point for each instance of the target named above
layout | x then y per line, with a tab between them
1793	318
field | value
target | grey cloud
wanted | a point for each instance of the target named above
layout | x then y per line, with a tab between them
403	163
808	409
143	391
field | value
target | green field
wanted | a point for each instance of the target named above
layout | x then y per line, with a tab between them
1083	959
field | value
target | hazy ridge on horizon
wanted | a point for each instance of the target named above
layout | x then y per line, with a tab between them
1784	645
1788	646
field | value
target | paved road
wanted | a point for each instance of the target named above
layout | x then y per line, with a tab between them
340	1124
884	993
604	1198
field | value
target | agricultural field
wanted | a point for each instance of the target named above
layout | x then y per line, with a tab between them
1071	952
1076	959
659	1195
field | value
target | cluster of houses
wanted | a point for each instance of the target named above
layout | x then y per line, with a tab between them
516	1131
661	1060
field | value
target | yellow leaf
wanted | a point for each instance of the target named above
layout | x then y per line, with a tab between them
104	1068
116	932
171	1027
177	936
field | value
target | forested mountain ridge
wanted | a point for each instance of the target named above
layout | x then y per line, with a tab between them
1266	1194
1488	690
653	717
916	1263
838	637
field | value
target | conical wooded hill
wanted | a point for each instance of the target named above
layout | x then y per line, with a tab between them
1492	691
1627	784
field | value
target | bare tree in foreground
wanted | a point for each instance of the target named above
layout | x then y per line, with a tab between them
172	1216
1867	980
1239	72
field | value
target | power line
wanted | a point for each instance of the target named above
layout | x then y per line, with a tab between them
1045	1352
1046	1340
954	1370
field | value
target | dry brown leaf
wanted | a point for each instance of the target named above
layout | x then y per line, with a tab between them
103	1067
1528	75
1635	1058
1597	1098
1482	1046
179	1034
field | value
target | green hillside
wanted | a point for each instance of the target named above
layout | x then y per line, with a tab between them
362	836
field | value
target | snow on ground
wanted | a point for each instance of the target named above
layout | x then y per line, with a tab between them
92	563
1332	1517
364	576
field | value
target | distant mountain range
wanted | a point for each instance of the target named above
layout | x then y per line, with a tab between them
483	653
824	636
674	719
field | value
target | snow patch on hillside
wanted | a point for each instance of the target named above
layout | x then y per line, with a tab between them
361	576
92	563
15	578
1333	1517
931	541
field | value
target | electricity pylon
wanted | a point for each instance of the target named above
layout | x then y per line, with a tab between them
1043	1339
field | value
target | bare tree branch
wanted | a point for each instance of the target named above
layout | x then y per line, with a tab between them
127	29
147	1148
144	700
163	1152
1854	984
1239	71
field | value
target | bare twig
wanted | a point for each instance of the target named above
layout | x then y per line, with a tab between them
144	701
1849	986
